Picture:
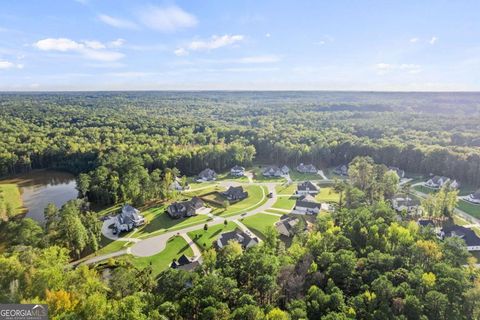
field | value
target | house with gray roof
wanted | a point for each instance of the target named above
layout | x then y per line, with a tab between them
306	168
307	205
438	182
286	226
273	171
285	170
207	175
128	219
235	193
474	197
185	263
307	187
472	241
405	202
185	209
341	170
237	171
241	237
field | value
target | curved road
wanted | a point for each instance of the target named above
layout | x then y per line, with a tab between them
155	244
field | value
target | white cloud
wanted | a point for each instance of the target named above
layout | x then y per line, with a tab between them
117	22
433	40
90	49
268	35
181	52
9	65
215	42
414	40
260	59
166	19
384	68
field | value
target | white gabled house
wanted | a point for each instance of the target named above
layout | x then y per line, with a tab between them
237	171
207	175
307	205
128	219
438	182
307	187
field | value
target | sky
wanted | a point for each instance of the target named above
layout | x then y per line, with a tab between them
404	45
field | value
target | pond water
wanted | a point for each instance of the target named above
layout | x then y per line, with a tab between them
39	188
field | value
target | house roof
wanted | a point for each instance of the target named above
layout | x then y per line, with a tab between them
207	173
407	201
271	170
182	206
128	215
285	169
306	167
425	222
476	194
234	191
307	201
307	185
236	235
468	235
287	223
183	260
238	168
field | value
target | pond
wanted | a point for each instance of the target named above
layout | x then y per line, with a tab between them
39	188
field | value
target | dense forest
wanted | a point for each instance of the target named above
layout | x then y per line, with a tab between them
358	262
419	132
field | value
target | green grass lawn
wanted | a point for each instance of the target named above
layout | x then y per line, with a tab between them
259	222
279	212
176	247
11	195
202	190
227	176
287	203
423	189
470	208
205	239
297	176
286	189
328	194
256	197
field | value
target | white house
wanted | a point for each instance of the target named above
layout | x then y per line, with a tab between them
474	197
438	182
404	202
306	168
307	205
207	175
307	187
128	219
237	171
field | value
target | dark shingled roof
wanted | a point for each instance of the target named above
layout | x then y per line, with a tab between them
426	223
468	235
307	185
307	202
239	236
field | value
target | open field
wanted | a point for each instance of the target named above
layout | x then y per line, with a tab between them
176	247
327	194
285	202
298	176
12	198
423	189
283	189
259	222
470	208
204	239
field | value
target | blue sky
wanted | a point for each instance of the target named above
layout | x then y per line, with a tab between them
311	45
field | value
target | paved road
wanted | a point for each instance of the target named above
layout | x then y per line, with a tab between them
101	257
153	245
196	251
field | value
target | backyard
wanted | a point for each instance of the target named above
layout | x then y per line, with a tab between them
259	222
205	239
470	208
328	194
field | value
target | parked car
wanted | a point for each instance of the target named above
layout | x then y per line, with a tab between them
270	195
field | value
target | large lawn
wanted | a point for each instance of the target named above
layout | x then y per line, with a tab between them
283	189
205	239
423	189
259	222
471	209
11	196
176	247
297	176
285	202
257	195
328	194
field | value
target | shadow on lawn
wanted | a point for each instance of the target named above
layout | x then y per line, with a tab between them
185	247
216	233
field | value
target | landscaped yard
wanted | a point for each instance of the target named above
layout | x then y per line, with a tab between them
256	197
283	189
11	196
205	239
470	208
297	176
259	222
328	194
285	202
176	247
